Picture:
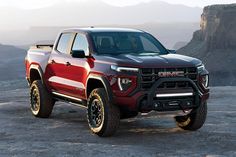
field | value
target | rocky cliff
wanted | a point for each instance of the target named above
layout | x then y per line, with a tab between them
215	43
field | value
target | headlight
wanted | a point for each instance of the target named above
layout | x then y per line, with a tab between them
200	68
124	83
120	69
204	77
205	80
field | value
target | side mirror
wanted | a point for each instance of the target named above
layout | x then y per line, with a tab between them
172	51
78	53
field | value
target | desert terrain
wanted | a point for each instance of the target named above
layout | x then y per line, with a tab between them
66	132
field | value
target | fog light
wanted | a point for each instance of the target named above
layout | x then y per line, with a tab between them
124	83
156	105
188	103
205	80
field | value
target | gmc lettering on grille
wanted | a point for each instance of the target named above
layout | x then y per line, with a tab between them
171	74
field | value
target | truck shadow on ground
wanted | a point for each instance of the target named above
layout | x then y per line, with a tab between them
128	127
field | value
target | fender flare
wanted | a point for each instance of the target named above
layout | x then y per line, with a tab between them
105	83
39	69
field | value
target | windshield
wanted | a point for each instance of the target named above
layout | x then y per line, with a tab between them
115	43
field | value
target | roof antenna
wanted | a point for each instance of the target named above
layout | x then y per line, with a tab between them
91	26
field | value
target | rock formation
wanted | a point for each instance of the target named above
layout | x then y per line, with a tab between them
215	43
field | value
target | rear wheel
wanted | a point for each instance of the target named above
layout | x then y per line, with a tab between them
41	101
103	117
194	120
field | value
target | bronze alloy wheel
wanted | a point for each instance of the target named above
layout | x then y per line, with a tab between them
97	113
35	100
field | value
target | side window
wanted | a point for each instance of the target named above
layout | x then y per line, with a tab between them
148	45
64	42
80	43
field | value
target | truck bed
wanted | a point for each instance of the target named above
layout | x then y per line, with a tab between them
39	54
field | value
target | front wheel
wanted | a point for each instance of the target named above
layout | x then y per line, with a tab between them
103	117
194	120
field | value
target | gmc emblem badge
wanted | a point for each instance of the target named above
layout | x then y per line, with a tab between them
171	74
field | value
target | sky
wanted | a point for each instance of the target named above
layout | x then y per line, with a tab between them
192	3
34	4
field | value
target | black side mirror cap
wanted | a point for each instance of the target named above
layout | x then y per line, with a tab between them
78	54
172	51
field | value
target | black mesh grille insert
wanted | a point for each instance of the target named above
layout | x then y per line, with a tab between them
150	75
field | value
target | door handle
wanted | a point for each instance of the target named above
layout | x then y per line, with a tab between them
68	64
53	61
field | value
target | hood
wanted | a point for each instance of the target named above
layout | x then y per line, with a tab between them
150	60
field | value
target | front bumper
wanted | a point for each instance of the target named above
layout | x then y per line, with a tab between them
168	100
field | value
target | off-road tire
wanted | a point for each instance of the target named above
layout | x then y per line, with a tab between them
194	120
41	101
110	113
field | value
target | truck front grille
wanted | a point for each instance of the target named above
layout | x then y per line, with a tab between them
150	75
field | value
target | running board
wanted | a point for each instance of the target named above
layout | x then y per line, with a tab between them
69	99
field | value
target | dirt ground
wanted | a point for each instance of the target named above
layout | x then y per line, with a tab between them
66	132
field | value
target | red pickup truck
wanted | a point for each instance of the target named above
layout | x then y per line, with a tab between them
116	73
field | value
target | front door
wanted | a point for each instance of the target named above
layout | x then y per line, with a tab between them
78	68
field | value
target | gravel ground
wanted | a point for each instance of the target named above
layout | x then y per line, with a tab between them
66	132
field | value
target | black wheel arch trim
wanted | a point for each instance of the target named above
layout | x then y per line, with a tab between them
105	83
40	71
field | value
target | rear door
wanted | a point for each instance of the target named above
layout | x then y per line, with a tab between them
57	68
